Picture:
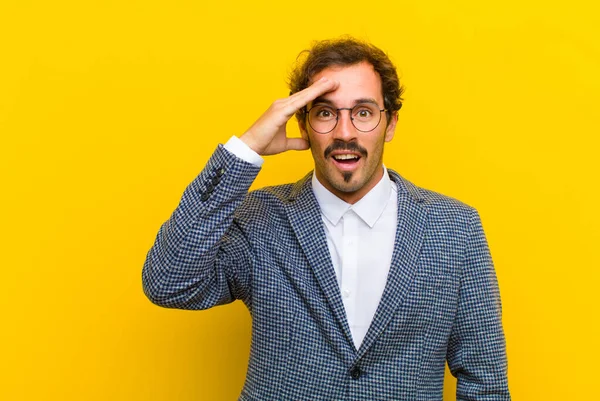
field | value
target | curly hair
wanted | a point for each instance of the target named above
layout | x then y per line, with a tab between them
347	51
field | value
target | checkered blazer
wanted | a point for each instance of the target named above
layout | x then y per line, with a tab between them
268	248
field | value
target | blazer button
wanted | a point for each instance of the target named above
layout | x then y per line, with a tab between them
355	373
216	179
204	196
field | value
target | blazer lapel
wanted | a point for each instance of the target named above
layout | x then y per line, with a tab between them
410	232
305	218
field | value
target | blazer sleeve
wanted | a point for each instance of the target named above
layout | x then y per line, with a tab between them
201	257
476	350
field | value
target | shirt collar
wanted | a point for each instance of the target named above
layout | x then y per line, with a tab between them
369	208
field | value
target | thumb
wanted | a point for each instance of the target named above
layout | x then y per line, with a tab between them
297	144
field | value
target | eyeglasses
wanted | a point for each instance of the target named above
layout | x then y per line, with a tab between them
323	118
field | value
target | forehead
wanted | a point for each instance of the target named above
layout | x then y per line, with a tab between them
358	81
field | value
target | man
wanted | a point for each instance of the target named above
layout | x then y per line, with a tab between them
360	284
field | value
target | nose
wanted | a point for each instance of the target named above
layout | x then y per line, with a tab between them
345	130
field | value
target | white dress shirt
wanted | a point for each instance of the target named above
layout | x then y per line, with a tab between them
360	239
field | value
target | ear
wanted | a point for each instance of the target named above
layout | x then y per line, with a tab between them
391	127
302	127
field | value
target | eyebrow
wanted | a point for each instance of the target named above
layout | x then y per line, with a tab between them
321	100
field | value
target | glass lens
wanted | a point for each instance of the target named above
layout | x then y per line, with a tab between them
366	116
322	118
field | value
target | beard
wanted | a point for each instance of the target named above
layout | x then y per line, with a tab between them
346	182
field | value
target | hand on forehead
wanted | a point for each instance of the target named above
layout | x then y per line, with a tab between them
356	83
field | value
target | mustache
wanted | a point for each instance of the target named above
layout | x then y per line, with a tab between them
341	145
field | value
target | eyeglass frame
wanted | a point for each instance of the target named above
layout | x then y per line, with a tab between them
337	117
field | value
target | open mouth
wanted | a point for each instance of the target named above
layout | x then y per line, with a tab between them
346	161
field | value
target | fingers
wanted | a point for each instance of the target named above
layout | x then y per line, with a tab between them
297	144
302	98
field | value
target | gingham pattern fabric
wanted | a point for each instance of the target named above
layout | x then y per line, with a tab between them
268	249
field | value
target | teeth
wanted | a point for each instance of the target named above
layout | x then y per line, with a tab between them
345	157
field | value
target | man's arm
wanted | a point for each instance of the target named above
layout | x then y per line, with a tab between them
201	257
476	350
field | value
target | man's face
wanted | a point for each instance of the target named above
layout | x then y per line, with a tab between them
348	162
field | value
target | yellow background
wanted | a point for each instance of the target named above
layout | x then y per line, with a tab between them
109	108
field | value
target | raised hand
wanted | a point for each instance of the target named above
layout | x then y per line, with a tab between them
267	136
